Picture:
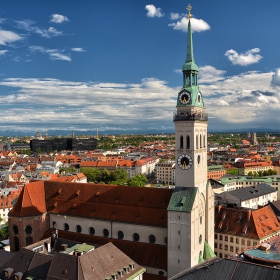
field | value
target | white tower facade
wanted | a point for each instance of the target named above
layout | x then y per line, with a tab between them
191	209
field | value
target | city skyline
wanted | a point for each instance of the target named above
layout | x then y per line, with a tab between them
116	65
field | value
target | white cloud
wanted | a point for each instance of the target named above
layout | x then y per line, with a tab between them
174	16
77	49
153	11
27	25
58	56
2	52
231	101
54	54
56	18
8	37
244	59
209	74
276	78
131	106
241	101
198	25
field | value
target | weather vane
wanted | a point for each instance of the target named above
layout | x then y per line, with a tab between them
189	10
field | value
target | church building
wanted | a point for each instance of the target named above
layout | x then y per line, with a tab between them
164	230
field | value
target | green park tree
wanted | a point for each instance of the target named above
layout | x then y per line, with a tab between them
92	174
138	181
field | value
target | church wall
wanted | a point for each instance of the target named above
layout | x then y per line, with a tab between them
39	224
112	226
179	242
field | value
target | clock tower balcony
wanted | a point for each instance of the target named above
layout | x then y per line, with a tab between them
189	117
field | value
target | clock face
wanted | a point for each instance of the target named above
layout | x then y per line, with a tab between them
198	159
185	97
185	161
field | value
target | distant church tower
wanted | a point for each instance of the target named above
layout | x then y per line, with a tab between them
191	208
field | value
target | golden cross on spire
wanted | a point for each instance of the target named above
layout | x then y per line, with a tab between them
189	10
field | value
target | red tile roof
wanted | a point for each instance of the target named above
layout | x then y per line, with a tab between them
31	201
110	202
247	223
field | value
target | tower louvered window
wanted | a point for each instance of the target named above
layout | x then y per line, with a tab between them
188	142
181	142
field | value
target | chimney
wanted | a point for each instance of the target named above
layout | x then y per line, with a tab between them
48	246
18	275
219	208
249	212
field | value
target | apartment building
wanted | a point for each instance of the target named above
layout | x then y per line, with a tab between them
237	229
165	172
250	197
244	167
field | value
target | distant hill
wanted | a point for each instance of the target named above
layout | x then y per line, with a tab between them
151	131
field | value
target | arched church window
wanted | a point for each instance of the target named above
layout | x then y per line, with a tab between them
188	142
91	231
28	241
16	241
66	227
200	141
152	239
15	229
200	239
181	142
105	232
120	235
28	230
197	141
204	142
78	229
136	237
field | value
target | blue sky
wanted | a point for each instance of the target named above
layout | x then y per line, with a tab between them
116	65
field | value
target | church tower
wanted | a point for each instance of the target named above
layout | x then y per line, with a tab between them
191	208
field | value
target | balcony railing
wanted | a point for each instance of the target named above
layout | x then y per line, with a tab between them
190	117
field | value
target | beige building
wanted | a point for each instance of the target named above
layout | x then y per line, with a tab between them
165	172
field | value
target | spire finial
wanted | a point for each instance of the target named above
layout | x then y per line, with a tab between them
189	7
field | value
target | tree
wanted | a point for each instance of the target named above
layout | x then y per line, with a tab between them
92	174
137	181
105	176
121	175
271	172
4	232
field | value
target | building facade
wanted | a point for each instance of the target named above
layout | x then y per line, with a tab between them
165	172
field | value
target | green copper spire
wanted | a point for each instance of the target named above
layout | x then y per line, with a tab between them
190	63
190	95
